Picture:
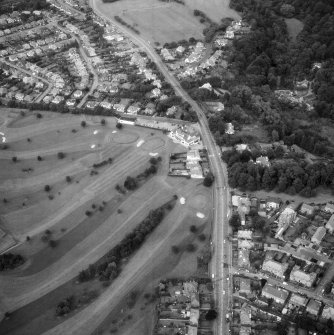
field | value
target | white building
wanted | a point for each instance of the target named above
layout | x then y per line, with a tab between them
276	268
318	235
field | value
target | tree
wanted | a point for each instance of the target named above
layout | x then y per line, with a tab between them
61	155
103	122
235	221
47	188
119	125
175	249
211	314
209	179
39	115
83	124
68	179
193	229
130	183
39	158
287	10
14	159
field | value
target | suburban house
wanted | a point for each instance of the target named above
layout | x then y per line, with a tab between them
245	286
275	268
318	235
185	136
306	209
328	312
313	307
230	129
263	160
330	224
301	277
245	234
241	147
284	220
279	295
297	300
273	203
329	208
245	315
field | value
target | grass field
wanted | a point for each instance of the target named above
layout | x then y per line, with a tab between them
33	290
294	28
166	21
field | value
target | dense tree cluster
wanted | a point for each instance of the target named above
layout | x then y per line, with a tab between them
10	261
108	267
291	176
65	306
7	6
267	56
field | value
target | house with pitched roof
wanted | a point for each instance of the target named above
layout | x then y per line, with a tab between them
318	235
306	209
329	208
301	277
313	307
275	268
330	224
279	295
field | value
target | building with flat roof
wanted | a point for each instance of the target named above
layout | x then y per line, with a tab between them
301	277
279	295
276	268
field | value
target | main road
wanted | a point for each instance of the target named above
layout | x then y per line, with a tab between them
220	191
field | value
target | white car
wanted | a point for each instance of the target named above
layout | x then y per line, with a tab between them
224	241
213	276
223	292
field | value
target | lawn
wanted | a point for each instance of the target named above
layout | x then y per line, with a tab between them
294	28
82	239
166	21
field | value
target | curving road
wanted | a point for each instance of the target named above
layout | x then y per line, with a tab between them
220	191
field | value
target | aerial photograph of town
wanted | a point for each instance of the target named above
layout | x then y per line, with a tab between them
167	167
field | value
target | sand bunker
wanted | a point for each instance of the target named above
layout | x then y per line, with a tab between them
153	154
140	143
92	146
182	201
95	132
200	215
114	132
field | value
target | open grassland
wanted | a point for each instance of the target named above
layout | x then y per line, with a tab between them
166	21
294	28
32	291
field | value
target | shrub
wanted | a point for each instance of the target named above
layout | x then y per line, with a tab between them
193	229
10	261
14	159
39	115
53	243
68	179
88	213
119	125
190	247
103	122
47	188
39	158
175	249
83	124
202	237
208	180
61	155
